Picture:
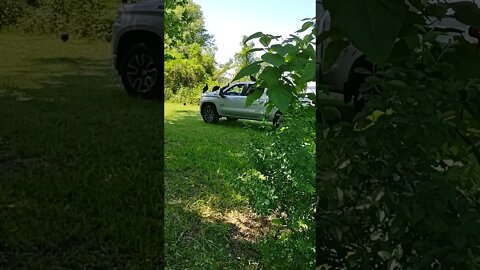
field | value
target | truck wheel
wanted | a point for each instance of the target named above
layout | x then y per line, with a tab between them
141	70
210	114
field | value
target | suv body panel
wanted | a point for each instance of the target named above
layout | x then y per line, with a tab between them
142	16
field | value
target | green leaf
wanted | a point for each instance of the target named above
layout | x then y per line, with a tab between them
307	38
252	36
256	94
331	113
396	84
438	10
274	59
255	50
309	72
412	41
371	25
332	52
339	194
281	97
465	62
265	40
290	48
305	26
385	254
271	76
332	34
251	69
466	12
280	49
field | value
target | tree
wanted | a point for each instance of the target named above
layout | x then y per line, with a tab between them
245	56
189	49
184	24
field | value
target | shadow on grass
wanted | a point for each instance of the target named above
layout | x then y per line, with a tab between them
202	161
185	117
207	243
81	172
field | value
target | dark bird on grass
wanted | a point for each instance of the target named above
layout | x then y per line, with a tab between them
205	88
215	88
252	78
64	37
184	104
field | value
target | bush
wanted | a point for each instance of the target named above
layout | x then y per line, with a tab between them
11	11
187	95
84	19
282	185
399	186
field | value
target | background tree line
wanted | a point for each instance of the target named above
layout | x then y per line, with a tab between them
190	53
90	19
189	48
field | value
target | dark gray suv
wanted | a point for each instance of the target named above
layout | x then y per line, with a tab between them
138	47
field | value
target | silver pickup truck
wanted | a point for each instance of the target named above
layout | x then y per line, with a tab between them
138	47
230	102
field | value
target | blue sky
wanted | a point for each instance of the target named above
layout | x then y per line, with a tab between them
228	20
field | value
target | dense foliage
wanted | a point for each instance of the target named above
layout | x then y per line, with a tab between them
85	19
189	52
398	188
282	183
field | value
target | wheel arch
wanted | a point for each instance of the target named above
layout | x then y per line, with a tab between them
130	38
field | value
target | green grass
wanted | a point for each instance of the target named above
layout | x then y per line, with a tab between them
80	161
81	169
208	224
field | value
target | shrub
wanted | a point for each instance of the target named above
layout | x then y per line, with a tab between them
11	11
282	185
399	186
85	19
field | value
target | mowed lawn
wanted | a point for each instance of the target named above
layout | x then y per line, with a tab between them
207	223
80	161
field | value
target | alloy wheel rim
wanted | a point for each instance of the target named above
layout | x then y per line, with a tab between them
142	73
209	115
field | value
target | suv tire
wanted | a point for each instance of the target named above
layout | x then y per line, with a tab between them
210	114
141	70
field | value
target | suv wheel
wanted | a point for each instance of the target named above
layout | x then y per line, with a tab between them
141	71
210	114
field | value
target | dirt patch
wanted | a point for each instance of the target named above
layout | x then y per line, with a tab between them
247	226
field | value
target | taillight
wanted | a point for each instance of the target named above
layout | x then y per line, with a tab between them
474	32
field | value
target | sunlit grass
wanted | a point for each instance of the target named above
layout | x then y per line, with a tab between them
208	223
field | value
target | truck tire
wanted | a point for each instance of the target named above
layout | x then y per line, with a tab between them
141	70
210	114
